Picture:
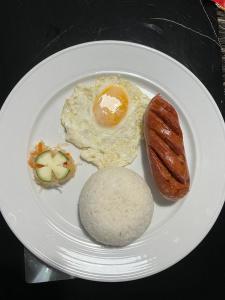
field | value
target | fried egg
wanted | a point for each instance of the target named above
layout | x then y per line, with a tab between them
104	120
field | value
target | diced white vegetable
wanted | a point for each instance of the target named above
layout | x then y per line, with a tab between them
44	158
60	172
59	159
52	164
44	173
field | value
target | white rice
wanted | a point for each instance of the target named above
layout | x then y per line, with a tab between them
115	206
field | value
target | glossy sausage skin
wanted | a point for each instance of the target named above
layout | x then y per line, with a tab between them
165	148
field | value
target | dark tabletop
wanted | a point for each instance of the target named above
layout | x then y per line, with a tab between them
32	30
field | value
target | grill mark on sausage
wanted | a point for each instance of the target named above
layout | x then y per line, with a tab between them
175	163
168	143
167	120
169	186
166	111
174	175
166	133
161	137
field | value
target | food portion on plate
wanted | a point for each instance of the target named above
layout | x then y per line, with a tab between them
165	148
104	120
52	167
115	206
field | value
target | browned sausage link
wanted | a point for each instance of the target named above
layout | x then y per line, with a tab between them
165	148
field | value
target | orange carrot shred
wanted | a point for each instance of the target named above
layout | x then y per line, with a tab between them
38	166
40	147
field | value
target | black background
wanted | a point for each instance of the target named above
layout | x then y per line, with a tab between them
31	31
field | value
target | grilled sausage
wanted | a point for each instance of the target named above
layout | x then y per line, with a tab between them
165	149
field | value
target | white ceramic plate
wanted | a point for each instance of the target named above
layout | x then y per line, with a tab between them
46	222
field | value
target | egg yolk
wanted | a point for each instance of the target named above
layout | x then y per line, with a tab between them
110	106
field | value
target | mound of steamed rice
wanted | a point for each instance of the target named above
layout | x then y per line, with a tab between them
115	206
